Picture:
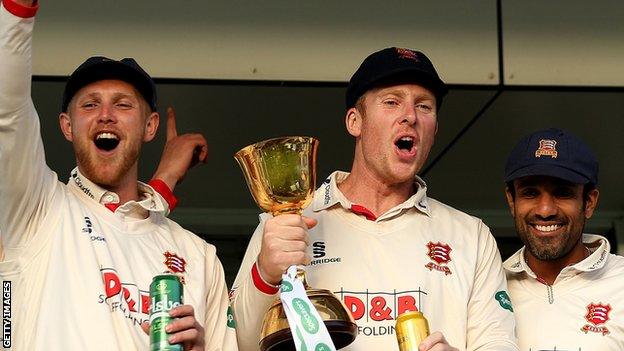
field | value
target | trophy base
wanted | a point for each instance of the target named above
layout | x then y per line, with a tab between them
342	334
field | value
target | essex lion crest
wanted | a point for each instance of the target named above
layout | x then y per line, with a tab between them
597	315
440	254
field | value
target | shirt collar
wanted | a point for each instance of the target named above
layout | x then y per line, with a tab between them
148	201
329	195
598	246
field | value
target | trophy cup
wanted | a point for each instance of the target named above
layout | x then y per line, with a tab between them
281	175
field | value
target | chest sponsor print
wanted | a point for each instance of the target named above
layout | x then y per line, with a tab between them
440	255
375	311
597	316
126	298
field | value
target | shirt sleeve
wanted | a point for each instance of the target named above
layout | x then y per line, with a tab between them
491	324
220	334
251	297
26	183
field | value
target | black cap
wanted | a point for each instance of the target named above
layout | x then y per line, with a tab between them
395	65
98	68
553	152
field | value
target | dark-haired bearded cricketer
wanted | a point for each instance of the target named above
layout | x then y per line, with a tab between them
566	286
373	236
77	259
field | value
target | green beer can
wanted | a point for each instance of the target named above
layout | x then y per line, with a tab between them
166	292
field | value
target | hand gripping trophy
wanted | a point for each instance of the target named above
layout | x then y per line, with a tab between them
281	175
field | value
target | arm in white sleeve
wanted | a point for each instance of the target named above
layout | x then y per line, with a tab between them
26	183
491	323
220	334
251	296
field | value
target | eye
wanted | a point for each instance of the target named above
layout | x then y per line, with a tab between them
564	192
528	192
391	102
124	105
89	105
424	107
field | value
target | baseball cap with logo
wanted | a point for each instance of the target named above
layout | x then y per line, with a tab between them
553	152
394	65
98	68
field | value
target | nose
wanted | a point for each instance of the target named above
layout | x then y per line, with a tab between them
106	114
409	115
546	206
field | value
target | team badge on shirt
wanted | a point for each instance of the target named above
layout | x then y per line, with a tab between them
175	264
597	315
440	254
547	147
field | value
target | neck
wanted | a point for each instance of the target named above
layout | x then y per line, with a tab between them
378	196
126	187
548	270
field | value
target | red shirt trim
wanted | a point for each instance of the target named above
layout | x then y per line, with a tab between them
111	206
21	10
163	189
361	210
260	283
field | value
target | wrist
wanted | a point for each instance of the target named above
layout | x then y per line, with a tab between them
261	283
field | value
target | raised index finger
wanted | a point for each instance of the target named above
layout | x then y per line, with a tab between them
172	131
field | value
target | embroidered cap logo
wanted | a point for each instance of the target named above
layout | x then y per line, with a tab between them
547	147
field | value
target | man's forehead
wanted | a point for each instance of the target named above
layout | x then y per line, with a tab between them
115	86
401	89
536	180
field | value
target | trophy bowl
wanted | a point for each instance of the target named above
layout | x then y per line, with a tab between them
281	176
276	335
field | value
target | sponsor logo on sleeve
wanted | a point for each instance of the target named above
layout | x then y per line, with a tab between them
503	300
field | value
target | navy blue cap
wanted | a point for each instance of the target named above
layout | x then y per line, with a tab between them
98	68
553	152
396	65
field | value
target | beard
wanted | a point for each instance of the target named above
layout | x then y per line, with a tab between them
106	172
551	248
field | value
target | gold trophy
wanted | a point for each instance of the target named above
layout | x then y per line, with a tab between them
281	175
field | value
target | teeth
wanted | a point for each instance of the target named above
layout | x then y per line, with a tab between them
547	228
106	136
407	139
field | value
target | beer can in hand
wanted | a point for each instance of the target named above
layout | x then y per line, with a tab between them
411	329
166	292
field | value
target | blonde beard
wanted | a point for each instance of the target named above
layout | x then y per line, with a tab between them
90	168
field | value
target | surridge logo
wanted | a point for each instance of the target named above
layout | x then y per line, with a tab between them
319	253
6	314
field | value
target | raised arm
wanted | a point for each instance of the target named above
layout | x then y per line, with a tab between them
26	183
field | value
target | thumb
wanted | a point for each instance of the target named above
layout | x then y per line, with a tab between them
145	326
309	222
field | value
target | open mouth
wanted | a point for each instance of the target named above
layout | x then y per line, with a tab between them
106	141
405	143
